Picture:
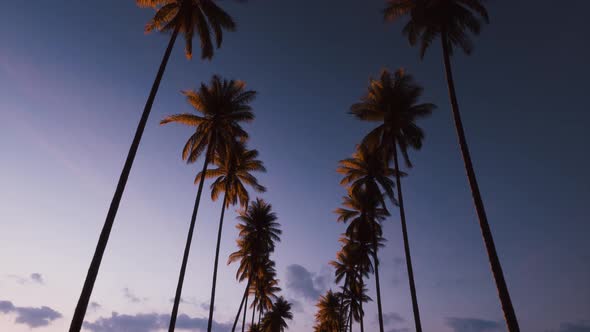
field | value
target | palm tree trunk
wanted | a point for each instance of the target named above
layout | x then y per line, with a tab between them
212	302
80	311
507	308
253	311
244	298
260	315
245	310
402	215
377	283
362	313
189	239
340	311
350	319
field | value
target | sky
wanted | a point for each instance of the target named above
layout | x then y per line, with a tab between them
74	77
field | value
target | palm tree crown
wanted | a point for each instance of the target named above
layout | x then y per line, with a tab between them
328	317
223	105
188	17
392	100
431	18
276	319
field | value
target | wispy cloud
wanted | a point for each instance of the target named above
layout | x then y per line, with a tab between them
33	278
149	323
392	318
129	295
30	316
473	325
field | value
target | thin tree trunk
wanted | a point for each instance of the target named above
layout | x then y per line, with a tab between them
402	214
350	319
503	293
212	302
189	238
244	298
260	315
80	311
362	313
253	311
377	283
340	310
244	319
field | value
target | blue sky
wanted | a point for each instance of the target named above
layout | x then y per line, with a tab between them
73	81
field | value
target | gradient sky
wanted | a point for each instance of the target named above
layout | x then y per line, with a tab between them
74	76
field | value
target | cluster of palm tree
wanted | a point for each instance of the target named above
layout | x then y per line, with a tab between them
258	233
392	101
371	175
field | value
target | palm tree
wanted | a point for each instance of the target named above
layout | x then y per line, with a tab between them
392	101
362	210
453	20
233	172
329	317
255	328
266	287
171	15
258	232
222	105
353	263
276	319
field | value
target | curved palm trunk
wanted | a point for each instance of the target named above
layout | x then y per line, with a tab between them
377	282
212	302
340	311
507	308
245	310
80	311
402	215
244	299
187	247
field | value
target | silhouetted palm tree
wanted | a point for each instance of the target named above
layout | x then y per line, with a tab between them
393	102
364	213
255	328
276	319
453	20
234	167
328	317
222	105
176	16
265	289
258	232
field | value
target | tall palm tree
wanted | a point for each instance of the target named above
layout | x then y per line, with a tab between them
234	167
453	20
328	317
223	105
363	212
393	102
258	233
176	16
276	319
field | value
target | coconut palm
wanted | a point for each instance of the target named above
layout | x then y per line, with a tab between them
353	264
266	287
258	232
454	21
255	328
328	317
393	103
176	16
222	106
234	167
364	214
276	319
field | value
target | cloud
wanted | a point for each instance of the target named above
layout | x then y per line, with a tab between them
401	329
94	306
583	326
38	278
473	325
392	318
131	296
33	278
296	305
150	322
30	316
304	283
